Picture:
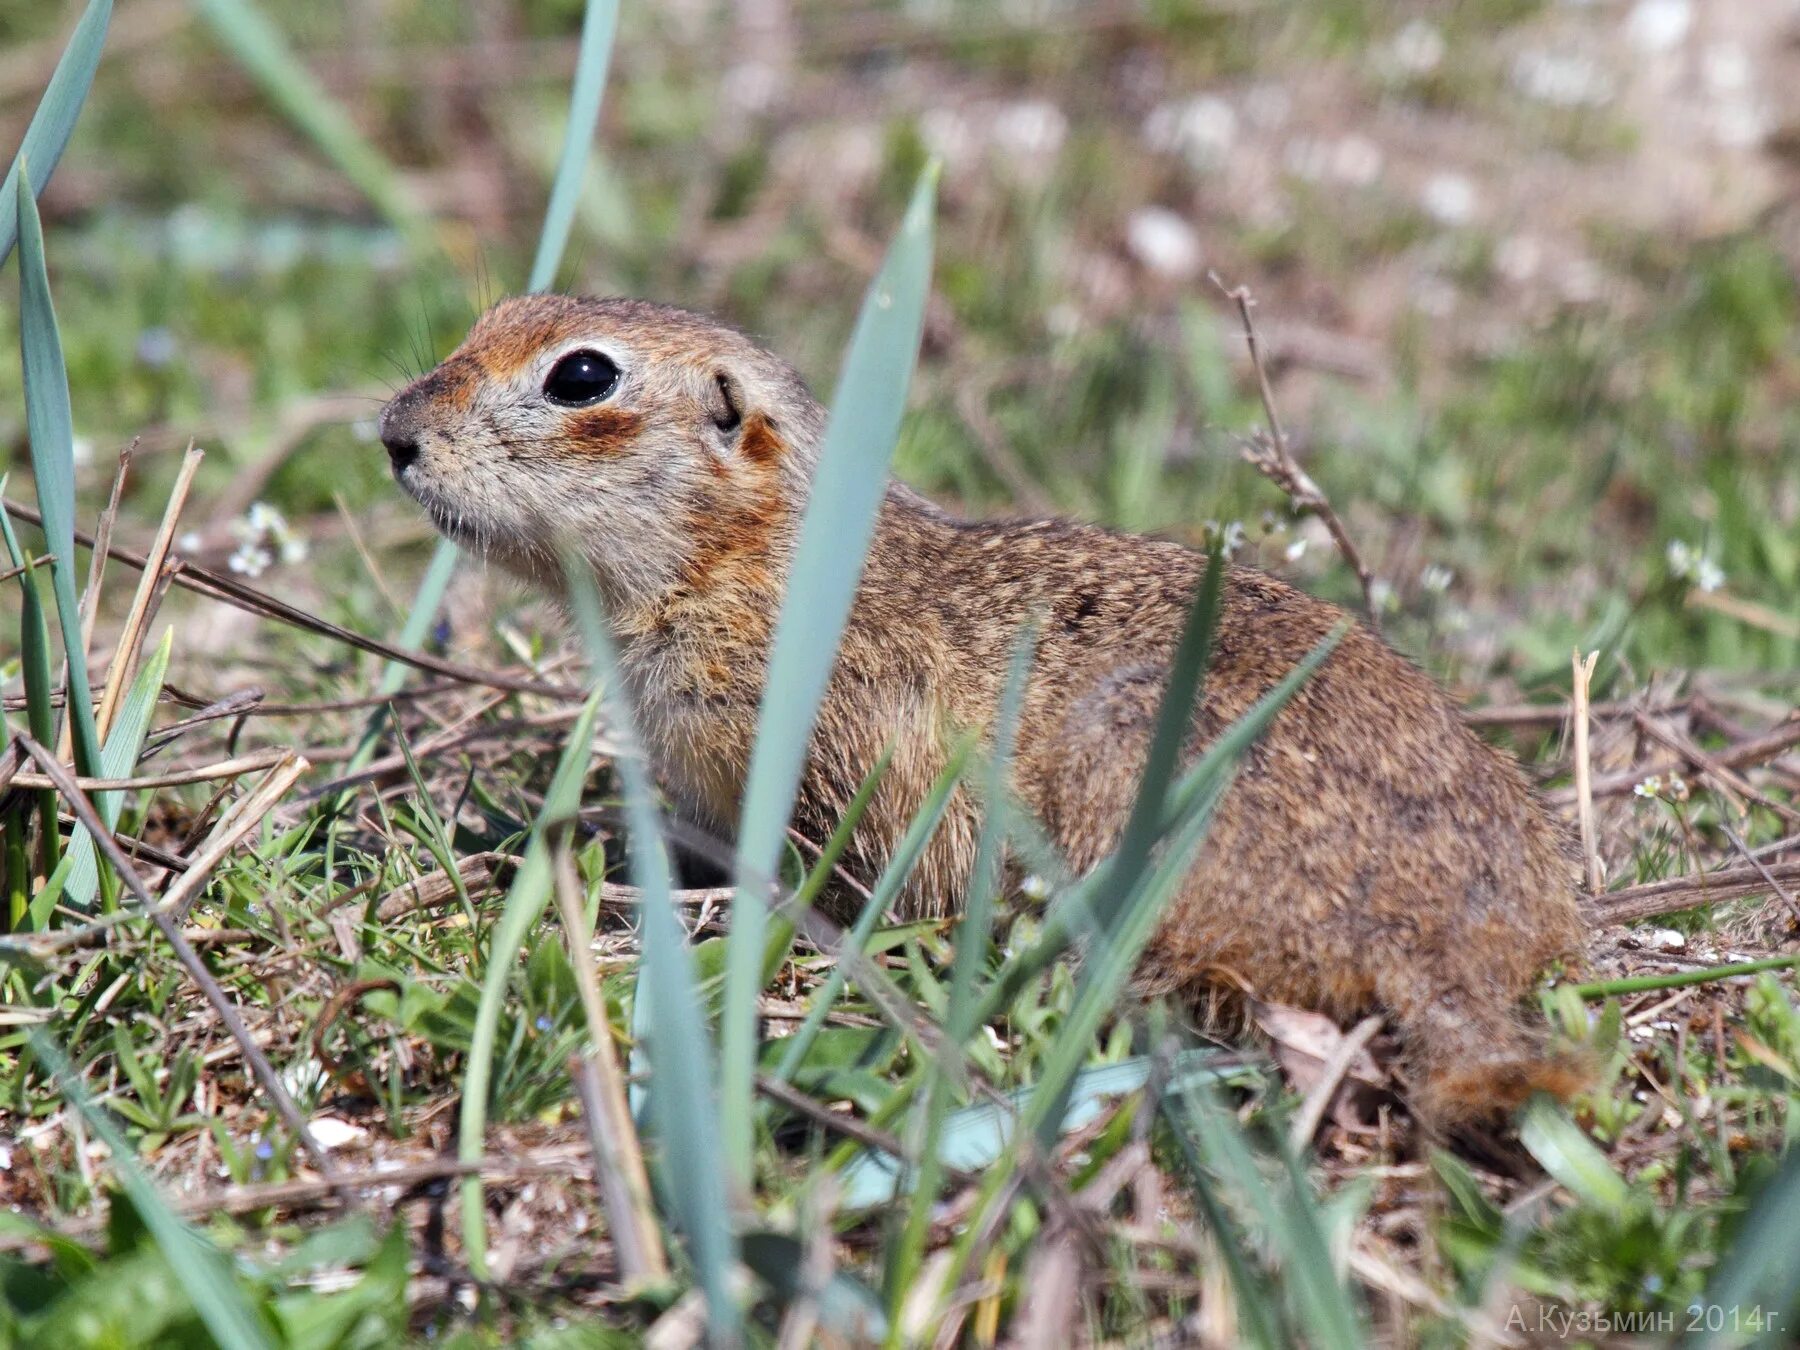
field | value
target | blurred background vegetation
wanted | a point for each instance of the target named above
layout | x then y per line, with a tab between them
1525	270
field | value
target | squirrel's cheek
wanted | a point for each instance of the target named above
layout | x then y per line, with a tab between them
601	430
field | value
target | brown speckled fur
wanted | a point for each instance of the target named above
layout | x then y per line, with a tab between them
1373	853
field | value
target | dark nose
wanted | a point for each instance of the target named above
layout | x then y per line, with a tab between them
399	435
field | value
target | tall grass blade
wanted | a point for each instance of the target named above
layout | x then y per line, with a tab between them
1288	1219
598	27
203	1270
48	423
1174	724
54	121
893	880
835	532
972	937
264	53
1762	1271
40	688
597	31
118	758
525	901
683	1105
1566	1153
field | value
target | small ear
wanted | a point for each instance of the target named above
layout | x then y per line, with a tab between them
725	405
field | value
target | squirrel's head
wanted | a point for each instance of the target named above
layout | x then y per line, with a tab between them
669	449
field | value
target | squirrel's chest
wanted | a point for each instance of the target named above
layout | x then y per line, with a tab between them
698	718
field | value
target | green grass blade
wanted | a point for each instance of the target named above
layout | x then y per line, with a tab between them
1288	1219
598	27
1567	1154
1762	1271
597	31
835	531
978	1136
893	880
972	937
204	1271
118	758
48	422
1174	724
1116	950
525	901
976	927
54	121
264	53
40	683
683	1104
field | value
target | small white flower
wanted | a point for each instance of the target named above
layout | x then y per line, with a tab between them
81	450
1726	68
1687	563
1449	198
947	134
1659	25
1565	80
1417	49
249	560
1032	127
1201	130
1518	257
1229	537
1381	594
1650	787
1356	160
1035	887
1436	578
1163	242
1296	550
189	541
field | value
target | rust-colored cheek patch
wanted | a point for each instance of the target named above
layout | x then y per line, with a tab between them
731	542
602	430
759	442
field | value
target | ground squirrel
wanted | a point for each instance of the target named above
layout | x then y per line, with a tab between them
1373	852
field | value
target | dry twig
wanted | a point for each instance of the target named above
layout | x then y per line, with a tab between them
618	1158
1584	771
1271	457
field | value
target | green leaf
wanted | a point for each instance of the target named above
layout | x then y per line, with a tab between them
202	1268
683	1103
1291	1225
905	858
117	760
47	422
598	27
1570	1156
597	31
265	55
40	688
1761	1273
57	112
978	1136
525	901
835	530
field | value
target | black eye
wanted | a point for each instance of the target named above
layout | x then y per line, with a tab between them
581	378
